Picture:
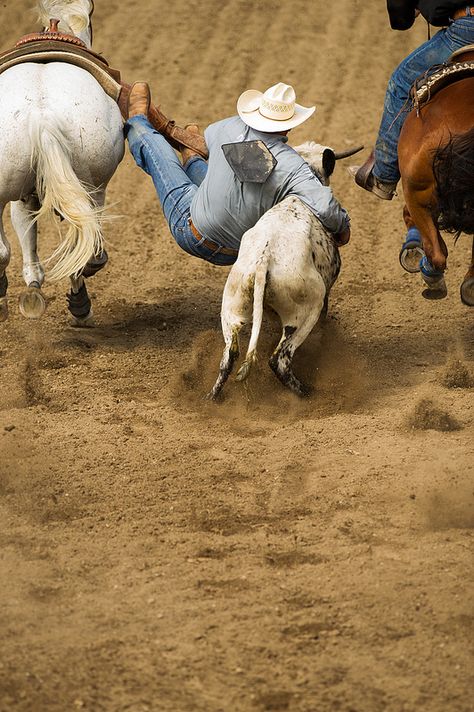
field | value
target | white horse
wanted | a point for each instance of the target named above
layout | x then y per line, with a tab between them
61	141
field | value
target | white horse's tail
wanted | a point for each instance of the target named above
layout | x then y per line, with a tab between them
60	189
257	316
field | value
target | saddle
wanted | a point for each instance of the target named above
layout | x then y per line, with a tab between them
54	46
459	66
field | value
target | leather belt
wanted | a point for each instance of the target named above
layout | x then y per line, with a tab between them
210	244
464	12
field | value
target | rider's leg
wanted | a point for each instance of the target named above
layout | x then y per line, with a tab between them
155	156
194	165
196	169
437	50
174	187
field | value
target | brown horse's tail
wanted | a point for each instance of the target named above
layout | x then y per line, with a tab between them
453	168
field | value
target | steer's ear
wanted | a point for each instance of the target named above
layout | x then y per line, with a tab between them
329	162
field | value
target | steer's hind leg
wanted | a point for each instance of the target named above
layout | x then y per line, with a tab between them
229	357
235	312
282	357
292	337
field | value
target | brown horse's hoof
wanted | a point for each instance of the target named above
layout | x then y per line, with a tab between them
467	292
438	293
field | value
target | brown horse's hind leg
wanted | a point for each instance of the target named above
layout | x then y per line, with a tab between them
467	286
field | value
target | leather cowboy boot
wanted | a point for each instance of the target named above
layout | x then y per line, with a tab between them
364	177
139	99
175	135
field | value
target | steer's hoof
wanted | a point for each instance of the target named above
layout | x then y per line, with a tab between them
32	303
467	292
3	308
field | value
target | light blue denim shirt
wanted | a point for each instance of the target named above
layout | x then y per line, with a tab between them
224	208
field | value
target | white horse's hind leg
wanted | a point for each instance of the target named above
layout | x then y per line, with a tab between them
32	303
78	301
79	304
4	262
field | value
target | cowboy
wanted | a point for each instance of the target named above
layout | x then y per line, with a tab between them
210	205
380	174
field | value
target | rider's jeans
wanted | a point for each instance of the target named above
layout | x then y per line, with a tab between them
396	108
175	185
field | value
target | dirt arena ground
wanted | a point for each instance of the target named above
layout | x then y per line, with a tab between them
160	553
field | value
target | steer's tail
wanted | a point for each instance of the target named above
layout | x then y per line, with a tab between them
260	282
59	189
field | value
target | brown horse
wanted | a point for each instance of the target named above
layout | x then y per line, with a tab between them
436	159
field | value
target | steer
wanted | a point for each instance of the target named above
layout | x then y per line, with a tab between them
290	262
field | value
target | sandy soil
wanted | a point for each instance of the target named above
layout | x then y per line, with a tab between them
162	553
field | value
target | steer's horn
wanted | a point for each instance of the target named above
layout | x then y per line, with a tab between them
349	152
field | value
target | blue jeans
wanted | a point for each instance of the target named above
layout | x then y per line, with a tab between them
396	108
174	183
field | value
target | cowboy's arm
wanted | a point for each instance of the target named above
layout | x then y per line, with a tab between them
321	201
402	13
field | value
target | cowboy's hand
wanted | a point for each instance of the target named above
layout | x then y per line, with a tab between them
342	238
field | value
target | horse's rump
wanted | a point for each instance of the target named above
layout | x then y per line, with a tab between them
63	135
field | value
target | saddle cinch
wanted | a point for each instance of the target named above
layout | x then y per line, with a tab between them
54	46
459	66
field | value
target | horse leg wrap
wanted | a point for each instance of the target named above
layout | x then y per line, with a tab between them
434	280
79	303
430	274
411	251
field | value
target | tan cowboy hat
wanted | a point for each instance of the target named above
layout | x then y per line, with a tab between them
274	110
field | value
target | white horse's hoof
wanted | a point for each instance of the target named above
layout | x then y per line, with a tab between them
467	292
32	303
3	308
86	322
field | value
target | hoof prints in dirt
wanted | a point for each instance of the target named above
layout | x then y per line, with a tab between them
457	375
32	384
427	416
452	509
289	559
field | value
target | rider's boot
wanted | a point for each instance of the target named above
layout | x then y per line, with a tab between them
187	153
139	99
364	177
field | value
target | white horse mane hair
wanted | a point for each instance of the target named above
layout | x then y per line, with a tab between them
75	13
